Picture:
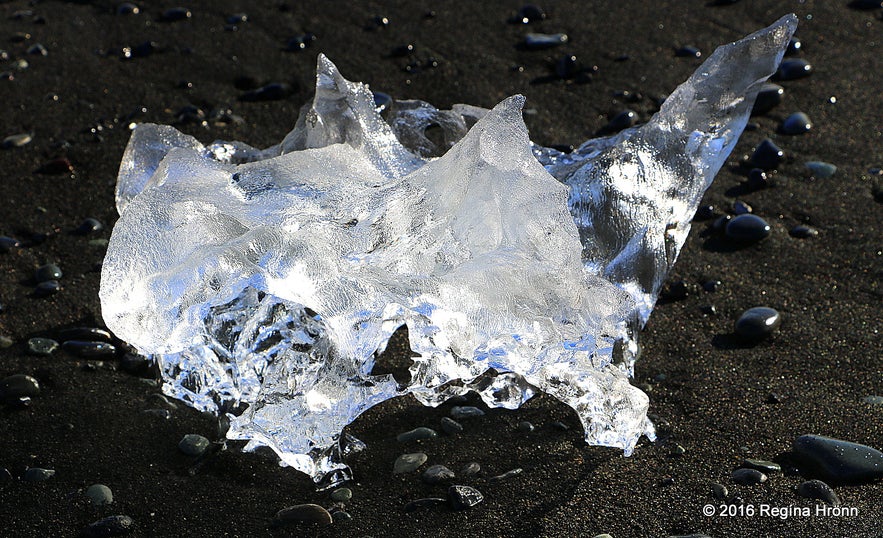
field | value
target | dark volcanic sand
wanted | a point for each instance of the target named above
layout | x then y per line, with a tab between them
88	423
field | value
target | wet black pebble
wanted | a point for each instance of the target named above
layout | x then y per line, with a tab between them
837	461
567	66
47	288
544	41
465	411
529	14
90	350
18	386
437	474
137	365
471	469
428	502
741	208
37	49
8	243
508	474
42	347
802	231
688	52
795	124
820	169
237	18
89	226
193	444
303	513
128	8
620	121
795	45
719	491
84	333
764	466
769	96
451	426
401	51
748	477
463	497
757	179
816	489
525	427
793	68
50	271
300	42
270	92
704	212
711	286
757	323
37	474
866	5
341	495
417	434
16	141
110	526
175	14
747	228
382	101
767	155
57	166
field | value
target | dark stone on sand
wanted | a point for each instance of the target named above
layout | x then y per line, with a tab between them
270	92
37	49
820	169
757	323
567	66
816	489
42	346
437	474
764	466
704	212
137	365
767	155
719	491
303	513
795	124
193	444
93	334
748	477
544	41
711	286
471	469
409	462
47	288
99	495
747	228
237	18
620	121
47	272
529	14
769	96
341	516
90	350
16	141
341	495
428	502
463	497
128	8
866	5
461	412
18	386
688	52
508	474
417	434
37	474
795	45
837	461
8	243
792	69
300	42
57	166
525	427
802	231
175	14
451	426
110	526
757	179
741	208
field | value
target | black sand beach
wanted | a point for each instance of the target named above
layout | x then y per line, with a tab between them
717	398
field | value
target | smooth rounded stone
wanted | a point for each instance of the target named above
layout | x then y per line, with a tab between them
747	228
560	426
193	444
8	243
757	179
820	169
525	427
471	469
407	463
417	434
720	224
793	68
37	49
767	155
303	513
19	386
528	14
5	475
341	495
16	140
99	494
507	475
719	491
437	474
94	334
451	426
873	400
269	92
544	41
300	42
567	66
677	450
463	497
795	45
237	18
688	52
427	502
37	474
460	412
802	231
47	288
110	526
757	323
90	350
795	124
50	271
341	516
816	489
712	285
704	212
764	466
128	8
837	461
741	208
748	477
620	121
175	14
769	97
42	346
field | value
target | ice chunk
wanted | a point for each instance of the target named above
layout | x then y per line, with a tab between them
265	282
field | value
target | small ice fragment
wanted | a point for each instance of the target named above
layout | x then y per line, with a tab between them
265	282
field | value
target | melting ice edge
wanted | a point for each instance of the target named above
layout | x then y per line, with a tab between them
269	280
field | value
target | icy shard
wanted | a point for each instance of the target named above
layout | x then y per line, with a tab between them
266	282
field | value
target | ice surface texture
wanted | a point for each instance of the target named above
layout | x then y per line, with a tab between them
269	280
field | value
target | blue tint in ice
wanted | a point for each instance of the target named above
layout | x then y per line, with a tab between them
273	278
